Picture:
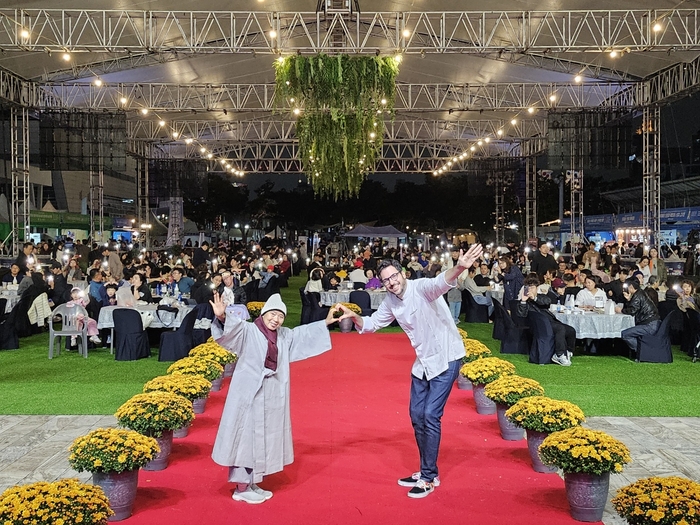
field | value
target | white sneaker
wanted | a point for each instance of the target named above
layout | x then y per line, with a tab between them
249	496
95	339
562	360
265	493
413	480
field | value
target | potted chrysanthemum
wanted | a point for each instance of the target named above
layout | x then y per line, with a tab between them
587	458
114	456
473	349
540	416
201	366
156	414
192	387
482	372
254	308
44	503
213	350
346	324
505	392
670	500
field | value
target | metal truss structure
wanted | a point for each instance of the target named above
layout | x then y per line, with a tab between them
19	146
651	187
97	194
206	131
409	97
530	197
586	31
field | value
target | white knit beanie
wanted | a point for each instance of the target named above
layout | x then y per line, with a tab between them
274	303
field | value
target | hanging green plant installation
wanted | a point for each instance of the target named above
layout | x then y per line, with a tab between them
341	101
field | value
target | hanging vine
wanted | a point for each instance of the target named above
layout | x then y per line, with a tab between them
341	100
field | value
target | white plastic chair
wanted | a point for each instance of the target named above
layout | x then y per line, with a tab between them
70	317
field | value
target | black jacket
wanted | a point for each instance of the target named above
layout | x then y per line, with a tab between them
542	302
642	308
540	264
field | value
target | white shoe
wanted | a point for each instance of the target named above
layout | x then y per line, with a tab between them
562	360
265	493
95	339
249	496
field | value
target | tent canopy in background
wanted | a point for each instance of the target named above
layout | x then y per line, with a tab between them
374	231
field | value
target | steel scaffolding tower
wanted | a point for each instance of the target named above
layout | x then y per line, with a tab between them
21	200
578	230
96	189
651	133
530	197
175	220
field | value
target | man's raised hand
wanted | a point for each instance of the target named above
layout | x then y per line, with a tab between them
218	306
466	259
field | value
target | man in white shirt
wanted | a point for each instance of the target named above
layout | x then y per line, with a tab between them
421	311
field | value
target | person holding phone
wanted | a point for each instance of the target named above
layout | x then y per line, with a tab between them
646	315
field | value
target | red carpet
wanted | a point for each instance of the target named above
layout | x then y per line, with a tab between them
353	439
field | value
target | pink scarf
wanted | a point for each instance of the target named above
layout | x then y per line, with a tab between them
271	336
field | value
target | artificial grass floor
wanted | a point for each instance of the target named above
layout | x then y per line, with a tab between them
602	385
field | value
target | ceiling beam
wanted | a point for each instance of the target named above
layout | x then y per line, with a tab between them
161	97
550	32
279	131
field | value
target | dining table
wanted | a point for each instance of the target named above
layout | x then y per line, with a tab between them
343	296
106	320
595	325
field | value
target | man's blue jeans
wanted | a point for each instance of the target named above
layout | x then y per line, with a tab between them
428	399
455	309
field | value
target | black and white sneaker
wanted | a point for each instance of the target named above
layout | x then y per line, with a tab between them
411	480
421	490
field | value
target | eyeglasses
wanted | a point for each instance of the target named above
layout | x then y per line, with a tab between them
391	279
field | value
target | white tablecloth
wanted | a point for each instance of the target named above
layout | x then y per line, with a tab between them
106	321
590	325
12	299
330	298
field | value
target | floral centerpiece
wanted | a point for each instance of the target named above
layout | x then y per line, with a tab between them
188	386
579	449
214	351
207	368
112	450
509	389
350	306
659	501
543	414
155	412
474	350
483	371
254	308
62	502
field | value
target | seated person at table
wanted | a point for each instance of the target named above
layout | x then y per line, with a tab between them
373	282
564	335
357	276
315	282
266	276
14	276
72	271
111	290
59	289
686	300
592	296
483	278
615	287
570	283
181	281
646	316
229	292
557	292
77	297
140	289
331	282
97	289
562	268
652	290
643	266
205	292
468	282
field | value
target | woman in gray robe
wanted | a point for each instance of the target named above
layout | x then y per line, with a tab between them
255	434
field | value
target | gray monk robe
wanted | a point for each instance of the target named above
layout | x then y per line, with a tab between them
256	430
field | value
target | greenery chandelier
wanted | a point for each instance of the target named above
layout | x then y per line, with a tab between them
340	101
